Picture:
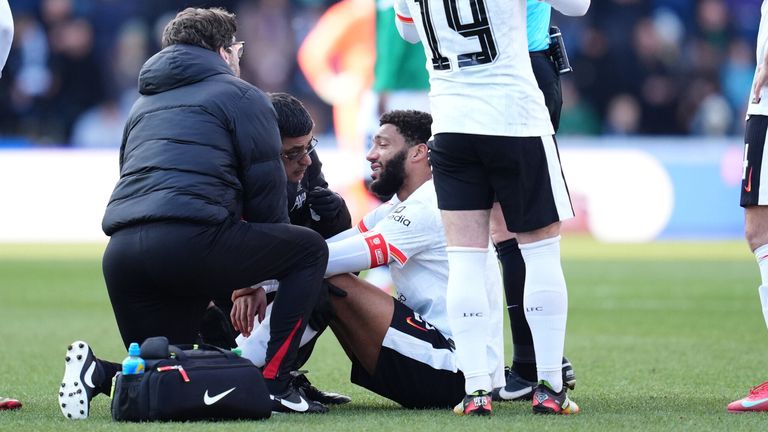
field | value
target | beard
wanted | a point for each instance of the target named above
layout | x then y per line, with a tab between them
391	177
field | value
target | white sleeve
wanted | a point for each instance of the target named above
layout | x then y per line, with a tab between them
345	234
270	285
404	22
6	33
570	7
361	252
404	232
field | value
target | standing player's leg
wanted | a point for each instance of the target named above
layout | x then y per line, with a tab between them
754	199
464	197
521	377
466	233
546	310
535	212
756	223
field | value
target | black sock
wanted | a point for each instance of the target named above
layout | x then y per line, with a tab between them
526	369
513	270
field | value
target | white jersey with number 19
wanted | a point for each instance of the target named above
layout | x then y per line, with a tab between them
479	69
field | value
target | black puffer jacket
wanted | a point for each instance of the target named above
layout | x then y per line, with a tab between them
200	145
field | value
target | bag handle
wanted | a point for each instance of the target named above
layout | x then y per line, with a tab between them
179	350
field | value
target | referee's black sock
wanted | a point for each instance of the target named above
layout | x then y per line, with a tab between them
513	269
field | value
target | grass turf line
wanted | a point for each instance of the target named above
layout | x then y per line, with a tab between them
662	337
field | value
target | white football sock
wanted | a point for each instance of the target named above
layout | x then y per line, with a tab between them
761	254
546	307
763	290
496	311
468	314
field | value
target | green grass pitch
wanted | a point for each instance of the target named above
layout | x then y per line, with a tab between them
662	336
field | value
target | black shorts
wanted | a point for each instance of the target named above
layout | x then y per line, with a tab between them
754	145
416	366
522	173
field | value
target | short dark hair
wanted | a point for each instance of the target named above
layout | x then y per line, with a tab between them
414	126
293	119
211	28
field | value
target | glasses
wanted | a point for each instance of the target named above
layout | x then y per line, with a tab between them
239	51
297	154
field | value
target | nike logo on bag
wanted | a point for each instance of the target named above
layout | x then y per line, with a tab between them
210	400
750	404
298	407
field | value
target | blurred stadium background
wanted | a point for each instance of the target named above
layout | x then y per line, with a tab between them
651	134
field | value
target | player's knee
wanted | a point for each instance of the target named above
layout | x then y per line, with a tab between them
315	248
755	237
549	231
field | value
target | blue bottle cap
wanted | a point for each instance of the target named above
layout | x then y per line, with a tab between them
133	349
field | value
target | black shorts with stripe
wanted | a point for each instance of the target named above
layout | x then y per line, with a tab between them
413	366
523	173
754	148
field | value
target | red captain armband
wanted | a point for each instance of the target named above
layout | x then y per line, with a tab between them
404	19
377	247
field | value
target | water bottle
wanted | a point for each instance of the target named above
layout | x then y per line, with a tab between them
133	364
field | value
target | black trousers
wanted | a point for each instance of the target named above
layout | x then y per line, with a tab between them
549	82
161	277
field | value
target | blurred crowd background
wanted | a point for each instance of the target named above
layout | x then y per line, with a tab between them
641	67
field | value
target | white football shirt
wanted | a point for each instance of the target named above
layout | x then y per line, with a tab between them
418	262
481	81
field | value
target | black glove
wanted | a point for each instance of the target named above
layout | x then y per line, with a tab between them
326	203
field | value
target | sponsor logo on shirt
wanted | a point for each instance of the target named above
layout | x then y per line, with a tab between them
397	217
401	219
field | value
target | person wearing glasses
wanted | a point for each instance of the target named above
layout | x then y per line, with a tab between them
400	347
199	210
310	204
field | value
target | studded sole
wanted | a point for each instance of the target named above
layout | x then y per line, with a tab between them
73	395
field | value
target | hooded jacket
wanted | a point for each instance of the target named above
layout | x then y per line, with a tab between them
200	145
